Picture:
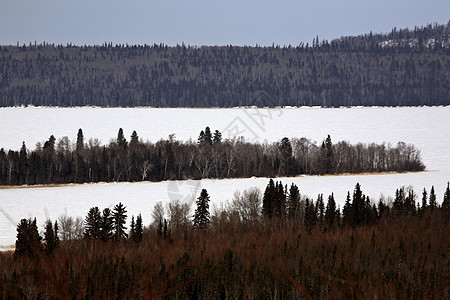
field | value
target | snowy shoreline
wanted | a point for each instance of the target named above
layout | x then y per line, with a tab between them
55	185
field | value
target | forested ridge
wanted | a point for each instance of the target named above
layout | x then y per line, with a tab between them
62	161
408	67
275	245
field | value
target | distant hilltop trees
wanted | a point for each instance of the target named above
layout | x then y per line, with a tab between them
61	161
401	68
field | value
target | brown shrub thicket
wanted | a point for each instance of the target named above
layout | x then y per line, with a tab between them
399	257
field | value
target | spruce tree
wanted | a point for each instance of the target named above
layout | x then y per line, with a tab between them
269	199
446	200
410	203
208	136
320	207
80	140
347	210
139	229
279	203
328	164
382	208
136	229
132	229
293	202
119	221
201	138
424	199
358	206
134	139
217	139
121	141
399	201
23	165
433	203
28	241
330	212
201	215
50	238
106	225
56	230
310	214
287	161
93	223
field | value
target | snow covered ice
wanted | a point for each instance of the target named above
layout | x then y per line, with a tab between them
428	128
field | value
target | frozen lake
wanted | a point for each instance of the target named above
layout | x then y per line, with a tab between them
428	128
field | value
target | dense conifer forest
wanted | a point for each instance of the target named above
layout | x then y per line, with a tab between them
61	161
406	67
275	245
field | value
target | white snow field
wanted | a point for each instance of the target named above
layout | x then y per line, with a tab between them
428	128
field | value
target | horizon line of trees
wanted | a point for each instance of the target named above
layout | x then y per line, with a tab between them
60	162
299	249
401	68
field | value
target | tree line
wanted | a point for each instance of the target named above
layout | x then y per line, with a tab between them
276	244
401	68
60	162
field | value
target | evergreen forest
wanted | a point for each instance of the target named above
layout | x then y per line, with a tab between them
406	67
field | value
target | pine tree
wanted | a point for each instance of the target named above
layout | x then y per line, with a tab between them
119	221
93	223
201	215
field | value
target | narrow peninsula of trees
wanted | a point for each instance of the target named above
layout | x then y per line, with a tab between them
277	244
60	161
405	67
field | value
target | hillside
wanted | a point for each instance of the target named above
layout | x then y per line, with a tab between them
401	68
